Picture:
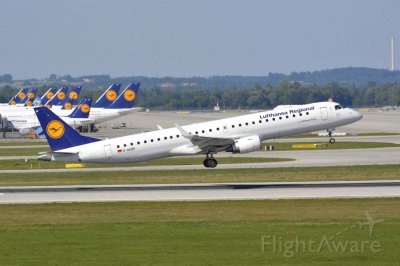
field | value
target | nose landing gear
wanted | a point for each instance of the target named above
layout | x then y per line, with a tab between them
331	139
209	161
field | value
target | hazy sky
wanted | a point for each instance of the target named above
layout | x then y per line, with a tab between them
193	38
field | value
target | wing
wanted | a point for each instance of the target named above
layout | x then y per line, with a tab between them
207	144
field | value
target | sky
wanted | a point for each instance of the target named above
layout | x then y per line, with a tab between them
184	38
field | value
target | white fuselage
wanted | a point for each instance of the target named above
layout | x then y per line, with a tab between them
24	119
171	142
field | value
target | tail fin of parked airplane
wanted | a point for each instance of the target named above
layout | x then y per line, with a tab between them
47	96
58	133
72	98
18	97
29	102
127	98
29	96
58	97
83	109
108	97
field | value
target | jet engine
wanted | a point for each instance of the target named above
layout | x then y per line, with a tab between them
246	144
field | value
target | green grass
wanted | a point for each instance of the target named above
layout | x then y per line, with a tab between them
35	164
23	143
21	151
289	174
287	146
195	233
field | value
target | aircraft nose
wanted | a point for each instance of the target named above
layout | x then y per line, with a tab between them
357	115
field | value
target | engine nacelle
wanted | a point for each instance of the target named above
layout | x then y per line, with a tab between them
247	144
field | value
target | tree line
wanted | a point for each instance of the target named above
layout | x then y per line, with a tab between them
255	97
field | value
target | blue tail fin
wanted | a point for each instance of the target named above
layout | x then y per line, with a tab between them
29	102
108	97
127	98
82	110
13	101
19	96
47	96
59	134
30	95
58	97
72	98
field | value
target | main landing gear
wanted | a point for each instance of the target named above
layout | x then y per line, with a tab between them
331	139
209	161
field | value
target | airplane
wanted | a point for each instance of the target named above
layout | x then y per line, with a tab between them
25	122
24	119
240	134
122	105
370	222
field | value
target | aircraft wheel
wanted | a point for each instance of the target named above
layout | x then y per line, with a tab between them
332	140
205	162
212	163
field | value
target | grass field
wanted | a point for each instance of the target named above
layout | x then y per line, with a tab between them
289	174
199	233
35	164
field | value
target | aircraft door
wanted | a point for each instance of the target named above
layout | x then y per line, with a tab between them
324	113
108	151
225	128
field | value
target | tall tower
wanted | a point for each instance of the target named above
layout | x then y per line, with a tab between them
392	63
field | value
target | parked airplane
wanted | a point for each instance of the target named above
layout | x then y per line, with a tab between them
241	134
122	105
25	122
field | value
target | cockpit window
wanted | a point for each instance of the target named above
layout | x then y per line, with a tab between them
337	107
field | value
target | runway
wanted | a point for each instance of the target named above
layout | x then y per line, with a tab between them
232	191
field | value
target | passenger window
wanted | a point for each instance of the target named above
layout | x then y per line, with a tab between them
138	142
260	121
170	137
158	139
266	120
307	113
202	131
124	145
131	144
233	126
145	141
247	124
294	115
253	122
273	119
177	136
287	116
280	118
300	114
197	132
217	128
210	130
240	125
118	146
165	137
